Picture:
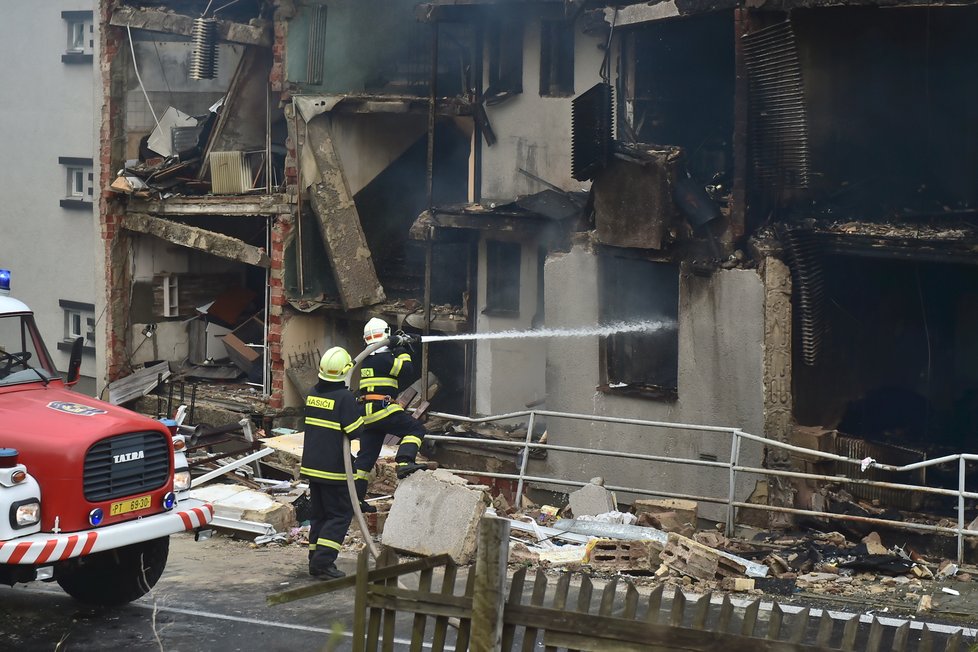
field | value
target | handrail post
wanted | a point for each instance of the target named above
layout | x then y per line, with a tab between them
526	456
734	462
961	488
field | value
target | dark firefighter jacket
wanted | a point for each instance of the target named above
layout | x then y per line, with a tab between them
331	413
379	375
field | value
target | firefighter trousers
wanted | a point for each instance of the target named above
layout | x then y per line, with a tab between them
402	425
331	514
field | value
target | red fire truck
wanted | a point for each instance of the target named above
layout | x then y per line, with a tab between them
89	492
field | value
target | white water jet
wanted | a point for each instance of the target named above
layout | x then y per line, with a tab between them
648	326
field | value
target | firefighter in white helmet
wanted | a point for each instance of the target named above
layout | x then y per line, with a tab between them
380	383
331	413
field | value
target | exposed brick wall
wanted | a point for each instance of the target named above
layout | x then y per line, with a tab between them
111	151
281	231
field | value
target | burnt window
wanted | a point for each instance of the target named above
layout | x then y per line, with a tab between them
556	58
503	278
636	290
505	45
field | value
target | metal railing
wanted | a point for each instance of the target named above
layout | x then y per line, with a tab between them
733	467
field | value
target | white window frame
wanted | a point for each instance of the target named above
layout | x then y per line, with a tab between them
171	295
76	182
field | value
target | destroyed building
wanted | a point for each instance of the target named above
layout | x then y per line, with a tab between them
785	186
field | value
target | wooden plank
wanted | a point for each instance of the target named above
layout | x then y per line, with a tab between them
825	626
465	627
655	605
584	595
360	604
413	595
629	632
559	603
608	597
775	621
750	618
515	597
441	622
954	643
702	609
900	636
875	636
490	579
631	602
536	599
678	608
385	602
350	581
726	615
926	643
557	640
800	624
387	559
849	634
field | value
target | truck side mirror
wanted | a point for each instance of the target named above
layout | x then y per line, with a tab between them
74	362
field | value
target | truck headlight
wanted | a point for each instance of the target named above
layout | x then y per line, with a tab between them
25	513
181	480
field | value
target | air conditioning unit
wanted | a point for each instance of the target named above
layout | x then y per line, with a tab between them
230	173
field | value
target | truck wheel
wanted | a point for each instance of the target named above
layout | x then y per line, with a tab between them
115	577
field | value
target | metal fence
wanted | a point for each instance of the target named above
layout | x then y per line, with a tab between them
731	468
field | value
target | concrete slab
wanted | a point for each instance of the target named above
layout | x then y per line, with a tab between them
591	500
240	503
435	512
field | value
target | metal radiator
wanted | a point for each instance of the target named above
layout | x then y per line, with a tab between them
230	173
886	454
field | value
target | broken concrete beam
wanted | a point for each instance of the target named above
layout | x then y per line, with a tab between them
696	560
592	499
339	222
237	503
168	22
666	521
685	510
435	512
192	237
612	555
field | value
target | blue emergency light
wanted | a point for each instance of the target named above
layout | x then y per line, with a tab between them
4	280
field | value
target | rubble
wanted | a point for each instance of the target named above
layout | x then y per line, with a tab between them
592	499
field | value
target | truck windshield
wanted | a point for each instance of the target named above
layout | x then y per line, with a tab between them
23	358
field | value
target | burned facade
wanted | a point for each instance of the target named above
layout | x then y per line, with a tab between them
783	188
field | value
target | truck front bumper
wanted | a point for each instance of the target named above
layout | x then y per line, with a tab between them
46	548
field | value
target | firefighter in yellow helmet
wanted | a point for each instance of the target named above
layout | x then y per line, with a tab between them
331	413
380	383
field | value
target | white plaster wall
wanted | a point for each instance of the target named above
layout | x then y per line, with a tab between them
720	383
368	143
171	341
303	333
46	111
509	373
534	133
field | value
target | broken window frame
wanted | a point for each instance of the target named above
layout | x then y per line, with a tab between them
503	262
504	55
556	58
619	365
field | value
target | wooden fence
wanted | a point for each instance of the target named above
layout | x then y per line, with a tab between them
570	613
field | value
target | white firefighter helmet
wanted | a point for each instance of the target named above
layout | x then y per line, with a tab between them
376	330
335	364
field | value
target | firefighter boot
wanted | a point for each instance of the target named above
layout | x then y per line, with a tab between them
404	469
330	572
365	507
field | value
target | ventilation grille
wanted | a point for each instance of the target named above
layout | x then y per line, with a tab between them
126	465
316	52
592	140
230	173
779	130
